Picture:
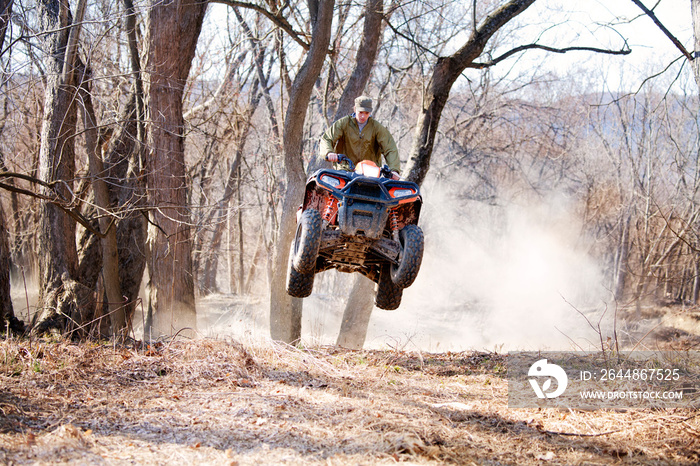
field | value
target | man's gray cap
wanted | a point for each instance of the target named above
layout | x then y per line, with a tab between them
363	104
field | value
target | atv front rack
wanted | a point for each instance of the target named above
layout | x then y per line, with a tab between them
365	203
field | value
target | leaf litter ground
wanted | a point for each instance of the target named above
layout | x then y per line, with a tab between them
220	402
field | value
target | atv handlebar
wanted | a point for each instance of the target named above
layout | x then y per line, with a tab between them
344	158
386	172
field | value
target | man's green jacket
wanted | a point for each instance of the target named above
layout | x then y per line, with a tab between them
344	137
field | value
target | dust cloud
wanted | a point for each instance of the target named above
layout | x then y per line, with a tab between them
504	277
509	276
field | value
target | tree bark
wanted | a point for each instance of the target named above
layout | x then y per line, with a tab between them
445	73
173	30
353	329
364	59
5	14
285	311
60	297
107	223
125	164
622	266
7	313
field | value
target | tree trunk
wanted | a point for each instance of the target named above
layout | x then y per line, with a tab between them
695	13
173	30
365	57
126	194
124	164
107	223
7	313
5	14
445	73
60	297
353	329
622	266
285	311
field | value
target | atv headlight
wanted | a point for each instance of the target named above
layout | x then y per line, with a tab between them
331	180
401	192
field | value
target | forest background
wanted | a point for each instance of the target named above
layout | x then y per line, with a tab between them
150	160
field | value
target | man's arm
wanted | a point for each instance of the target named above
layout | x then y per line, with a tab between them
389	149
329	138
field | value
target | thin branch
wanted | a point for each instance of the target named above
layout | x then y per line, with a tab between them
673	39
649	78
72	212
409	39
574	434
624	51
72	48
276	18
31	179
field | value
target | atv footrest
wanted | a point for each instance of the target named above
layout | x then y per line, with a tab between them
355	249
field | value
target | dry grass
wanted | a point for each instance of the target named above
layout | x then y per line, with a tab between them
217	402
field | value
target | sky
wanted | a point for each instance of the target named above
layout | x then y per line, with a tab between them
603	24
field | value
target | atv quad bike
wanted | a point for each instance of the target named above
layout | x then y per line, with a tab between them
358	221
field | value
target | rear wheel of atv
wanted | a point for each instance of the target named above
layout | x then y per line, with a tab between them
412	244
299	285
307	242
388	293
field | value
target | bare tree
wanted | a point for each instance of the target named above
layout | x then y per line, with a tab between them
7	314
695	9
285	311
5	14
61	296
208	148
444	75
172	33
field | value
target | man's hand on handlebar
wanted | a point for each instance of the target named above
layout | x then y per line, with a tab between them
332	157
389	173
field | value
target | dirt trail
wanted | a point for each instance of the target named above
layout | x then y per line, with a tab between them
217	402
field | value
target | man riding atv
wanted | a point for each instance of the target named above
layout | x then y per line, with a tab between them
360	137
358	218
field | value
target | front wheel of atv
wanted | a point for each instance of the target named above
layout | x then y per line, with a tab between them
307	241
412	244
299	285
388	293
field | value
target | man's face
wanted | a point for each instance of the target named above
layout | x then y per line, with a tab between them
361	117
